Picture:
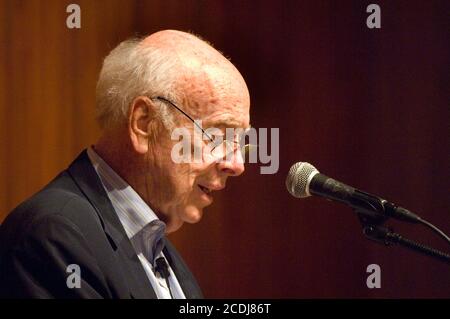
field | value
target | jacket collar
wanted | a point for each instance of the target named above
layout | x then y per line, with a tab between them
84	175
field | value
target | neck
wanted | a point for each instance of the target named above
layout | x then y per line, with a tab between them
118	158
118	154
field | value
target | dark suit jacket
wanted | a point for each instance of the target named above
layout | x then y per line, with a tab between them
72	221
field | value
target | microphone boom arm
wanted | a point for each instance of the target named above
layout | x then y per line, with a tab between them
373	230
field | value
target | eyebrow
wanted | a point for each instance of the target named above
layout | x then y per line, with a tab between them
226	122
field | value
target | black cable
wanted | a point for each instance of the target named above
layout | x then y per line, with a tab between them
168	287
163	270
434	228
398	239
388	237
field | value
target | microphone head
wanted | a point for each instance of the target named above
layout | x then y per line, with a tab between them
297	181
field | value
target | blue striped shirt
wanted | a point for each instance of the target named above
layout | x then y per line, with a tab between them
141	225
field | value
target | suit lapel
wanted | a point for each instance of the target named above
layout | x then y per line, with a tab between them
85	176
185	278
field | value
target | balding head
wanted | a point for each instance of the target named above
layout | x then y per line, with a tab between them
169	63
140	84
192	51
206	77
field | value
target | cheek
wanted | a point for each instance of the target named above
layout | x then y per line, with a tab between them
186	180
183	177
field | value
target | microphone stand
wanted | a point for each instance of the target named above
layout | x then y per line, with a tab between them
373	230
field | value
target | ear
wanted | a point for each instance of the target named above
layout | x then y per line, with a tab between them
140	119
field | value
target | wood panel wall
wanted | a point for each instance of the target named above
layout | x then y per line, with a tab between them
369	107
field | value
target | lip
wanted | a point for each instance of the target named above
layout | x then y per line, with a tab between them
205	193
204	189
207	189
211	187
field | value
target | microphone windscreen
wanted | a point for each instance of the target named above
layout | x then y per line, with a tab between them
298	179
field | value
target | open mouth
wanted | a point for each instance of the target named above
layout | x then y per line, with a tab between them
204	189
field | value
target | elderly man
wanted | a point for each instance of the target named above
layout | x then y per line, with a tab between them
97	230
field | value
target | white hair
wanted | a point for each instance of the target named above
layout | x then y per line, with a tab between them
131	70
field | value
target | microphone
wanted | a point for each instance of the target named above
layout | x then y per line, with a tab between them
305	180
162	267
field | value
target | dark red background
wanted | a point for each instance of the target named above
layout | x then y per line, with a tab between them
367	106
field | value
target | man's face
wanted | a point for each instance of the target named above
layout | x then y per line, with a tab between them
182	190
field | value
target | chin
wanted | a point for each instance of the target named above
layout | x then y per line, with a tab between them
192	214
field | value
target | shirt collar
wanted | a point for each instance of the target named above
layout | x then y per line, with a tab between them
141	224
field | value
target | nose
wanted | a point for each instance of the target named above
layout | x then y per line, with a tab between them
233	166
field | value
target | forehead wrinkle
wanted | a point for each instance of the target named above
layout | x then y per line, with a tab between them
208	83
225	121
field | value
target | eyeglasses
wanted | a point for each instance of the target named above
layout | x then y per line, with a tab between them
220	147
